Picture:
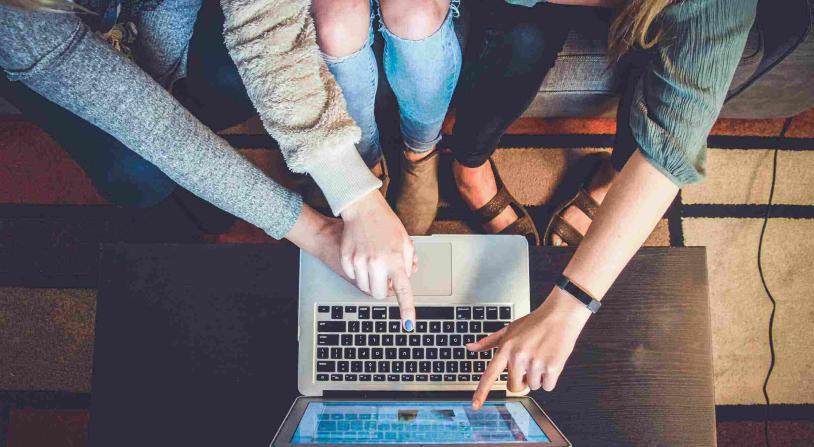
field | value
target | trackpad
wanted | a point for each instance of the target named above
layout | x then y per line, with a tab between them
434	275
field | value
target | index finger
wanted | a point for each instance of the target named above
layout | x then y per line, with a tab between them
404	295
488	379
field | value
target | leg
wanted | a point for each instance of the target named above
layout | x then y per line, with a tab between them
422	61
507	62
345	36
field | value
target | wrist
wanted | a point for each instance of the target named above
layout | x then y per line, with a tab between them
568	305
362	206
310	229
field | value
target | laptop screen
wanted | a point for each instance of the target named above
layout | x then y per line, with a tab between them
416	423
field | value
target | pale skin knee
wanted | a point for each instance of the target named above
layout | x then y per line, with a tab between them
414	19
342	26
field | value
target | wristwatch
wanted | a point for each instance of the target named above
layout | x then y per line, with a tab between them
574	290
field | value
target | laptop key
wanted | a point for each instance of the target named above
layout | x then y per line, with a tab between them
425	366
491	312
446	353
393	377
323	309
374	340
350	309
387	340
364	312
461	327
437	367
379	313
478	313
504	377
404	353
367	326
322	353
391	353
331	326
479	366
407	378
418	353
397	367
393	313
370	366
486	354
431	353
343	366
434	313
452	367
360	340
384	367
464	367
463	378
475	327
448	327
422	378
364	377
377	353
356	366
350	377
347	340
363	353
455	340
394	327
401	340
421	326
493	326
458	353
441	340
381	327
435	327
469	338
471	355
463	313
322	377
505	313
411	367
336	353
354	326
336	312
428	340
436	377
415	340
450	377
379	377
476	377
336	377
328	339
326	366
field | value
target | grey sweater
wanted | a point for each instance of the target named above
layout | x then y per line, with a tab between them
274	48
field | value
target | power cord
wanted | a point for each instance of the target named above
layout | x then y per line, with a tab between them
786	125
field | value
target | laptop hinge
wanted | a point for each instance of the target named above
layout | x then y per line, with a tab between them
457	395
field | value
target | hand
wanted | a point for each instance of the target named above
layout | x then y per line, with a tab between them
534	347
320	236
378	254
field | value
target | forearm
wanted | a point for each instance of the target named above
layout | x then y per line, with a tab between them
91	80
273	45
638	199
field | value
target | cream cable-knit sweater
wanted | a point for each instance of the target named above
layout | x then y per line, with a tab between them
273	43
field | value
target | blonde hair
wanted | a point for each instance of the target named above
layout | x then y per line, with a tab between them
633	25
45	5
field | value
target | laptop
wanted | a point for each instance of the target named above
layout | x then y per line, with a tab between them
365	381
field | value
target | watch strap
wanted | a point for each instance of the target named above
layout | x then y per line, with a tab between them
574	290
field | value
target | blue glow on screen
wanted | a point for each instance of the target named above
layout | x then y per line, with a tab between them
416	423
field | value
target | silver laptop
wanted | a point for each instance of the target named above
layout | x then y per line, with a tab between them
353	351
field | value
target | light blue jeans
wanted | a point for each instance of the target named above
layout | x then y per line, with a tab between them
422	73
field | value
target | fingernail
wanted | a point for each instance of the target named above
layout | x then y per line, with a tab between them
408	325
557	243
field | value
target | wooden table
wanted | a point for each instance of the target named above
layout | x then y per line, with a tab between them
196	345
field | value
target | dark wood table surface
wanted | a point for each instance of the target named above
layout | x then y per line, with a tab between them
196	346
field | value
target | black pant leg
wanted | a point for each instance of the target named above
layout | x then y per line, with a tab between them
514	49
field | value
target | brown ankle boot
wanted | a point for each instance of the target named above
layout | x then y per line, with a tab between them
417	199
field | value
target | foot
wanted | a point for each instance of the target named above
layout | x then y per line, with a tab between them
477	186
417	198
597	189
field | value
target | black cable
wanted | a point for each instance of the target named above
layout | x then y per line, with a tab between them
786	125
771	298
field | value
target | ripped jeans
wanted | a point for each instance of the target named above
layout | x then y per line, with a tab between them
422	73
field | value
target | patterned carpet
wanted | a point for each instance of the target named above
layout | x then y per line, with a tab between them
47	301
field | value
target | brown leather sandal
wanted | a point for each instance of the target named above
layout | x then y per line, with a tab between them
582	200
524	225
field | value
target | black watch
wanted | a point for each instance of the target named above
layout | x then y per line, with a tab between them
574	290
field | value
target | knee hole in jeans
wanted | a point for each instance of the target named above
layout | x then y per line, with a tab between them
413	19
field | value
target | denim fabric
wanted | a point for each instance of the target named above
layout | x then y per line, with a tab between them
422	73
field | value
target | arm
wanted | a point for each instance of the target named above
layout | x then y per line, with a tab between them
273	44
676	104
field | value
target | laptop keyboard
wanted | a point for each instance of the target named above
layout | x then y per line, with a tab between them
367	344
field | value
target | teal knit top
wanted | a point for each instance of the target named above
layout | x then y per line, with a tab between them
685	82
